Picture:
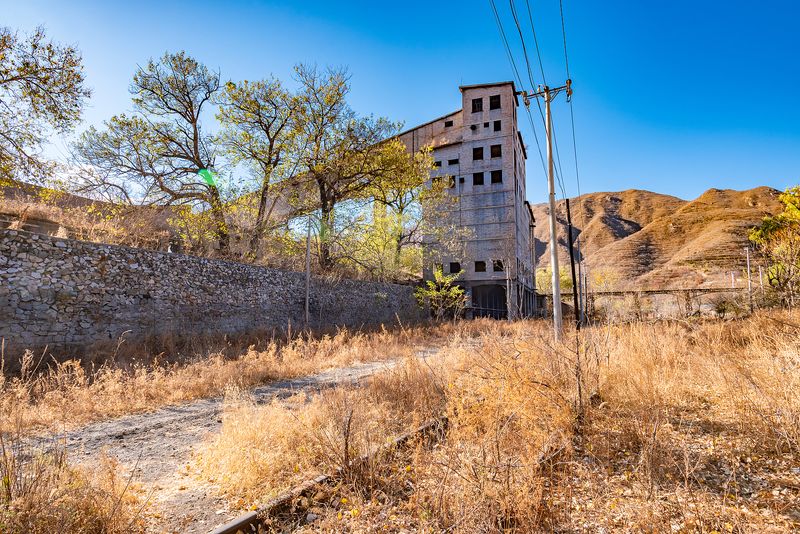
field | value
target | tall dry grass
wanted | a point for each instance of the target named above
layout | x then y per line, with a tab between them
40	492
661	427
63	394
44	395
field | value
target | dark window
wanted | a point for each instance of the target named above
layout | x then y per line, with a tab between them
455	267
485	124
477	153
473	127
452	161
477	105
480	266
477	178
461	179
496	151
451	181
497	265
494	102
497	177
497	125
436	179
437	163
448	124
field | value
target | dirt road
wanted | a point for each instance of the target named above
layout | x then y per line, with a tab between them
155	448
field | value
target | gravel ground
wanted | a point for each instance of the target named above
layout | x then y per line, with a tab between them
155	448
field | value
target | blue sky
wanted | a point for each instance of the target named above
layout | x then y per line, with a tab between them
674	97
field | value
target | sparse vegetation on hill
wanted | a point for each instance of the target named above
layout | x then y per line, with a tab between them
650	240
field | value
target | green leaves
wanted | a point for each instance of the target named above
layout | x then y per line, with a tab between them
442	295
41	89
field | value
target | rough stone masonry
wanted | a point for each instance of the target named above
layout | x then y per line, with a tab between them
70	294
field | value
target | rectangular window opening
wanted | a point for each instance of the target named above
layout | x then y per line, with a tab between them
477	153
494	102
498	125
477	178
455	267
448	124
497	177
477	105
480	266
497	266
452	161
437	163
496	151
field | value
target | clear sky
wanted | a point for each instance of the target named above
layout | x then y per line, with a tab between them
673	96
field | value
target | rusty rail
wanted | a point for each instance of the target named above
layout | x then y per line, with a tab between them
251	521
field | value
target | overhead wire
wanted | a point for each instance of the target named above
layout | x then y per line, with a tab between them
557	171
578	241
518	79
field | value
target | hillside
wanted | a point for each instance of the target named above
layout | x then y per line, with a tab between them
649	240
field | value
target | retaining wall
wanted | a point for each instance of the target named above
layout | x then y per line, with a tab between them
68	293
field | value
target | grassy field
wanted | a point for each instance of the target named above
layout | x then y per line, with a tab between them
660	427
45	491
679	426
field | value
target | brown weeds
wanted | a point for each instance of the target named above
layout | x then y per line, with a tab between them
660	427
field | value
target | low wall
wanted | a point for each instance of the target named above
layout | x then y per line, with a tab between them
67	293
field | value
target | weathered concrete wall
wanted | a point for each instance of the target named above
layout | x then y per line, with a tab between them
67	293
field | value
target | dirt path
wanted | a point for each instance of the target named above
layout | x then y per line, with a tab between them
155	448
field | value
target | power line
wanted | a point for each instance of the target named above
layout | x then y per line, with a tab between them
535	41
559	172
518	79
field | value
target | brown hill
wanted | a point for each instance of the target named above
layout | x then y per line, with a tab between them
648	240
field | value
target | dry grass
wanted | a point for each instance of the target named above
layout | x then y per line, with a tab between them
63	395
42	493
661	427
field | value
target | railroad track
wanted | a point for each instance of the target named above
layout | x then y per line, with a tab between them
283	506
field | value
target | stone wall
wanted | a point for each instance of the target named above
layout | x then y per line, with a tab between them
66	293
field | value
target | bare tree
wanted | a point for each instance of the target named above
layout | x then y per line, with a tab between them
154	155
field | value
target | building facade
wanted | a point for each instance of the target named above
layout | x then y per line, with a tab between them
480	154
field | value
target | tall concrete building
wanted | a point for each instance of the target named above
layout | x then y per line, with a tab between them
480	153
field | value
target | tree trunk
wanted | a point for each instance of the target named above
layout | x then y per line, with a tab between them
221	226
258	230
327	204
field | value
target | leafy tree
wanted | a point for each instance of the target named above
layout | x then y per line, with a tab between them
544	279
259	130
41	89
778	240
341	154
153	156
442	295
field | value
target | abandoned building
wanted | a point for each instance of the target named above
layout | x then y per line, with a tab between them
479	152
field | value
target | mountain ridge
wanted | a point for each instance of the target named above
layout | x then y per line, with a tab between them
642	239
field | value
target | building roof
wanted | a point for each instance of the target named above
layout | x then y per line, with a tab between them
417	127
492	84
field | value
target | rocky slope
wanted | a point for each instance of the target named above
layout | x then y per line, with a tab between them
641	239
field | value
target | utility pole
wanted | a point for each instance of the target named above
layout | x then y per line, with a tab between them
308	267
572	269
548	94
532	227
749	281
